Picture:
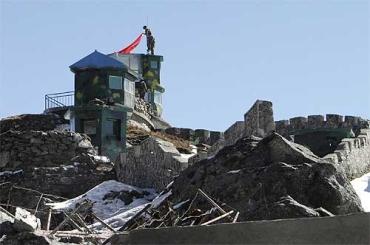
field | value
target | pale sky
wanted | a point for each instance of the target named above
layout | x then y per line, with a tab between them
307	57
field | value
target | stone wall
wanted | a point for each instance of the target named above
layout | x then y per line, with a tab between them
259	120
284	127
234	132
353	154
41	122
153	163
201	136
38	148
231	135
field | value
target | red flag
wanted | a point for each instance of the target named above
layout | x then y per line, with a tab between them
131	47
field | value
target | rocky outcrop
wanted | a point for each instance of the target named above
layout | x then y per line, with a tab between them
41	122
269	179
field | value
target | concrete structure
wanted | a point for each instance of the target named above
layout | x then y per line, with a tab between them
346	229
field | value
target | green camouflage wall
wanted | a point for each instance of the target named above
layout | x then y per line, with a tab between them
92	84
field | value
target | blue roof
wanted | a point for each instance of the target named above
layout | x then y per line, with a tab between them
97	60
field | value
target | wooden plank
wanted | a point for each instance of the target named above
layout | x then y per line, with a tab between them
218	218
130	221
213	202
49	220
103	223
73	222
236	217
61	225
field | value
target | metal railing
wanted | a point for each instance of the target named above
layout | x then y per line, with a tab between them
56	100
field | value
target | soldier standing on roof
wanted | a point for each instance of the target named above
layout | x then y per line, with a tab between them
150	41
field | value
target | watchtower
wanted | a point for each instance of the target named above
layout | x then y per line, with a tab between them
104	96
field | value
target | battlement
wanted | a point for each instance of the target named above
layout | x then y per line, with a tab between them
353	154
284	127
198	135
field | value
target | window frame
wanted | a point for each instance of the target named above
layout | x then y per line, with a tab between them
109	82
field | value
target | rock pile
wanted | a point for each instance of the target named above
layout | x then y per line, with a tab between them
269	179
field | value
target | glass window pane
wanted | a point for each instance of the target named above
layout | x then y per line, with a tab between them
115	82
154	64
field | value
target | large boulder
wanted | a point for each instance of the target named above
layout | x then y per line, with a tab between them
269	179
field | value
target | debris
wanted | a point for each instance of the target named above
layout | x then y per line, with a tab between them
25	221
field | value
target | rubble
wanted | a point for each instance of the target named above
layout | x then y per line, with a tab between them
25	221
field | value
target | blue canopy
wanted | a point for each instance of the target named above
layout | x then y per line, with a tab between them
97	60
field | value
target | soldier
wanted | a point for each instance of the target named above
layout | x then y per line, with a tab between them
150	41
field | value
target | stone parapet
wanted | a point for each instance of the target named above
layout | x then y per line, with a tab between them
202	136
353	154
284	127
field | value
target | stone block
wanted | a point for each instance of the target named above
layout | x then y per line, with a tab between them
215	136
202	135
351	121
334	120
4	158
315	121
298	123
259	120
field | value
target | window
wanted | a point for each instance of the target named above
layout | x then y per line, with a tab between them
113	128
154	64
89	126
115	82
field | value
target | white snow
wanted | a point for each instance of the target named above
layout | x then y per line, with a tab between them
179	205
11	172
159	199
362	188
234	171
108	208
103	159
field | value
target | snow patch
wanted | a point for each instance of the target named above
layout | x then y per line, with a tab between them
234	171
9	173
102	159
362	188
161	198
104	207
